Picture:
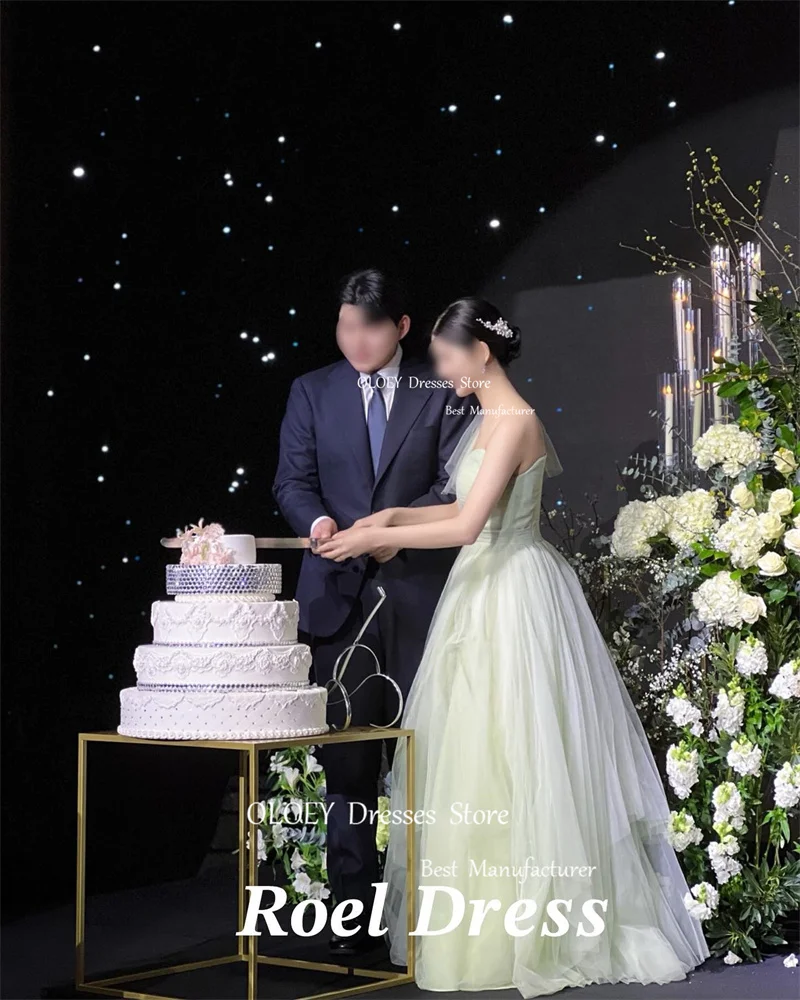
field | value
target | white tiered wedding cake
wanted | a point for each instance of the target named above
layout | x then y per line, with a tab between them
225	663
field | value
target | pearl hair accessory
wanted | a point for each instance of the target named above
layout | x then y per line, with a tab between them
500	327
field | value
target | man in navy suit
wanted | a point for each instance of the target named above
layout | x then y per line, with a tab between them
369	432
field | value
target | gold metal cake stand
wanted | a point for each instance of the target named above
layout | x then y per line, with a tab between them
247	947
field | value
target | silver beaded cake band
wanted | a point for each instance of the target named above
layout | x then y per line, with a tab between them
232	578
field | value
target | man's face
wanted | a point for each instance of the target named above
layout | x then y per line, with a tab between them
368	344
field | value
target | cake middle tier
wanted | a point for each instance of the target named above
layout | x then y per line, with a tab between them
250	666
222	623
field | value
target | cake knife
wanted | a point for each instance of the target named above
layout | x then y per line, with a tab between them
261	543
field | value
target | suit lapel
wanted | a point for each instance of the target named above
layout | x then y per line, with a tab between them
406	407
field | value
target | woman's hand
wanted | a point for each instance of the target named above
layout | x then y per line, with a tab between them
347	544
380	519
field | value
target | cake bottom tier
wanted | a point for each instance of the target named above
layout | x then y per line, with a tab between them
275	713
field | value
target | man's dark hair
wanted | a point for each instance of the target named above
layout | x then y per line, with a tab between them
378	294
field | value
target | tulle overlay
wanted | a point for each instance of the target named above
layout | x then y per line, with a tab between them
518	706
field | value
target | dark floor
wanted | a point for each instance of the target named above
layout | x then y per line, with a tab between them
195	919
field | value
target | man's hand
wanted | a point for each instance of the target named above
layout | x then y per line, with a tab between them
324	530
348	544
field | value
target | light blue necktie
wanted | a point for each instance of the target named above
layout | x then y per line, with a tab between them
376	421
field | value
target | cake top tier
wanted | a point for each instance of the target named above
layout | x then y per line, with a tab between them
208	545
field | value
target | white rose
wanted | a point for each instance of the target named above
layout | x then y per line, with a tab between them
742	497
784	460
771	564
770	525
791	540
781	501
751	608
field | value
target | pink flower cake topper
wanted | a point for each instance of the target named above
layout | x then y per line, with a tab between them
202	544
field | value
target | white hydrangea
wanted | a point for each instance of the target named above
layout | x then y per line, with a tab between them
728	806
635	523
716	600
682	830
781	502
720	854
692	516
729	712
744	757
682	769
684	713
702	900
786	683
751	657
728	446
739	536
743	497
787	786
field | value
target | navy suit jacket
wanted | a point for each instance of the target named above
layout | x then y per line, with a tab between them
325	468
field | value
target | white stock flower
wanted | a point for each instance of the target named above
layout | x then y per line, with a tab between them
682	830
787	786
772	564
728	446
720	854
729	712
744	757
781	502
261	842
791	541
728	806
635	523
770	525
682	770
311	890
731	959
312	764
784	461
786	683
684	713
279	834
717	599
740	537
742	497
751	657
702	900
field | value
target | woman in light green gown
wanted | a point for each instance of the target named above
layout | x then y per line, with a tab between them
521	720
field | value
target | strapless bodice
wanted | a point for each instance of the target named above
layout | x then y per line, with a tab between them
516	513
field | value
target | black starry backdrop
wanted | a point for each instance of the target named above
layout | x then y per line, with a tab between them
184	185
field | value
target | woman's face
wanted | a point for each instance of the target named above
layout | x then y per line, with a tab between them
462	366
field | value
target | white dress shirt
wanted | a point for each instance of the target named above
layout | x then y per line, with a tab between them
390	371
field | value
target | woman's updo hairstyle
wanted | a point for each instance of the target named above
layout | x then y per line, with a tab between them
465	321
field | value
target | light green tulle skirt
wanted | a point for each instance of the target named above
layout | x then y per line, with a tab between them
519	711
